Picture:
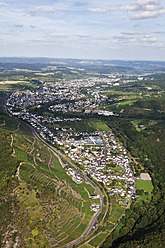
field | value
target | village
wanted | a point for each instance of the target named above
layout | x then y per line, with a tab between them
77	95
98	153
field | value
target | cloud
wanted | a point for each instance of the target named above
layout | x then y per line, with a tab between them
147	9
139	38
131	33
148	38
19	25
48	10
100	11
102	38
2	5
154	44
148	14
124	38
148	2
158	32
145	5
83	36
32	26
54	35
41	9
136	25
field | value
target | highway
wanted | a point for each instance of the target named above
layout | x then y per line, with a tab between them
57	153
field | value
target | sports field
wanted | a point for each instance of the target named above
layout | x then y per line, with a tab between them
144	184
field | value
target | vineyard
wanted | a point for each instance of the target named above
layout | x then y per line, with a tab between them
53	209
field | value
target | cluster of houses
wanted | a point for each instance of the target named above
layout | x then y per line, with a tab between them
104	159
98	111
95	207
65	97
75	175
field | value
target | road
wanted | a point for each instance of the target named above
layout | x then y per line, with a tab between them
59	154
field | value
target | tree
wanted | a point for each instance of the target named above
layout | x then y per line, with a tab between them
134	215
124	231
143	222
130	223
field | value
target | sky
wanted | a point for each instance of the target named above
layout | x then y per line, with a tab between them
83	29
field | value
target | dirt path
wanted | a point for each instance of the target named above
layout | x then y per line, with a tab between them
3	124
117	105
87	192
18	127
12	139
18	169
32	146
11	144
62	164
28	140
64	187
50	160
34	159
13	154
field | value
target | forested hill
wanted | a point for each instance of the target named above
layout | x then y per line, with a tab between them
143	134
144	222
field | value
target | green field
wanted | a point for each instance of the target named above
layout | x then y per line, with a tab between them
144	184
97	124
127	102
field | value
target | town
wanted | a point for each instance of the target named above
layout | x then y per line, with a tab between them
98	153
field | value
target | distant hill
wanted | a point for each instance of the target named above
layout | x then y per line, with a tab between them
118	64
